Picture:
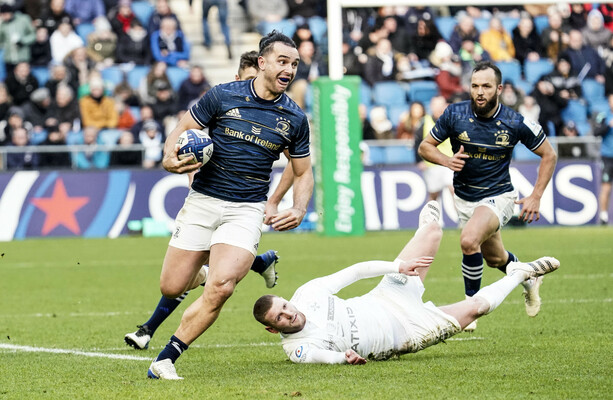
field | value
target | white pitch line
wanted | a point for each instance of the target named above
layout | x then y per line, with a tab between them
31	349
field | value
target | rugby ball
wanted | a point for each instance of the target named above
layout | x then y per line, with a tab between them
197	143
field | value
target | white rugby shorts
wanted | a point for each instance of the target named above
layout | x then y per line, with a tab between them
423	324
204	221
502	205
437	178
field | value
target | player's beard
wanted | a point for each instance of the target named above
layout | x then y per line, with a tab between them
486	108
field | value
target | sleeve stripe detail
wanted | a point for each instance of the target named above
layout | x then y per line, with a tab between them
539	143
435	137
196	118
300	156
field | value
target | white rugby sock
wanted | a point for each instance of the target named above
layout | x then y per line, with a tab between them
495	293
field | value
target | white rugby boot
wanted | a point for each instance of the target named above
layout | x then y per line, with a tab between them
139	339
163	369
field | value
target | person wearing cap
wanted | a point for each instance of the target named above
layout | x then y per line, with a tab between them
16	36
168	44
152	139
98	110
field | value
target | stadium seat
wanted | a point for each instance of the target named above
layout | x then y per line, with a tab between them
395	111
41	74
592	90
599	106
74	137
37	137
135	111
365	94
113	75
511	70
521	153
541	22
575	111
399	155
389	93
318	27
142	10
376	155
109	136
2	66
584	128
177	76
482	24
445	26
136	75
525	86
285	26
509	24
423	91
533	70
84	29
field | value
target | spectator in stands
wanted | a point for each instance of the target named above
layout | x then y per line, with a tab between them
121	17
102	43
123	92
21	83
84	12
5	102
169	44
550	104
526	40
584	60
497	41
126	158
147	85
126	119
63	41
222	14
555	37
380	123
64	110
381	66
607	57
146	115
604	129
192	88
152	139
24	160
423	43
16	36
134	46
310	68
79	66
397	34
59	74
471	53
449	68
353	64
53	16
595	34
36	111
566	83
303	32
98	110
410	121
414	14
162	10
266	14
91	158
56	159
15	120
165	104
606	9
368	133
369	41
464	30
40	51
577	19
356	21
529	108
511	96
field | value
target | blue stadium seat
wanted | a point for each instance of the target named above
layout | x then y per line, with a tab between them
533	70
136	75
575	111
143	11
599	106
399	155
376	155
445	26
540	23
423	91
113	75
37	137
177	76
482	24
592	90
389	94
84	29
521	153
365	94
109	136
511	70
135	112
285	26
525	86
74	137
318	27
41	74
509	24
2	66
584	128
395	111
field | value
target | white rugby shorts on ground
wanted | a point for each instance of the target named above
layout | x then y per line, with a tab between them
502	205
204	221
437	178
423	323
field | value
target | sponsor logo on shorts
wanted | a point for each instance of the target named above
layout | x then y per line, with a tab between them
255	246
177	231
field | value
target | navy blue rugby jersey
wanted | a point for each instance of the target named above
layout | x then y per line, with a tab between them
489	142
248	133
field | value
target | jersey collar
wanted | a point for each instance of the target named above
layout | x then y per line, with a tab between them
258	98
492	117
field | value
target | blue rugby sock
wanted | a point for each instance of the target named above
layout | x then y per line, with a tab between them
472	271
164	308
512	258
259	264
173	350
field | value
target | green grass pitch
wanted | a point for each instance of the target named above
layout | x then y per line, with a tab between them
84	295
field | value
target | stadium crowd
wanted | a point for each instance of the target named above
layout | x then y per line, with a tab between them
87	72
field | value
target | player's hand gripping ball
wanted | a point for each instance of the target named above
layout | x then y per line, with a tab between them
197	143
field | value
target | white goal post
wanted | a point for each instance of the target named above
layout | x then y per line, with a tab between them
335	20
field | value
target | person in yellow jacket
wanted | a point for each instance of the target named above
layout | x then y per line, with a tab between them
98	110
497	42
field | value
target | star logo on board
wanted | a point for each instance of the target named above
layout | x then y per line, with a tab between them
60	209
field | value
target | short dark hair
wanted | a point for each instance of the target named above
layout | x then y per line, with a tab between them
249	59
261	307
483	65
268	41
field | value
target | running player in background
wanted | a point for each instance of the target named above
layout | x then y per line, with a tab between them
318	327
483	133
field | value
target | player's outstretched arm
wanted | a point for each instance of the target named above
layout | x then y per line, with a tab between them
530	205
409	267
303	190
171	162
354	358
